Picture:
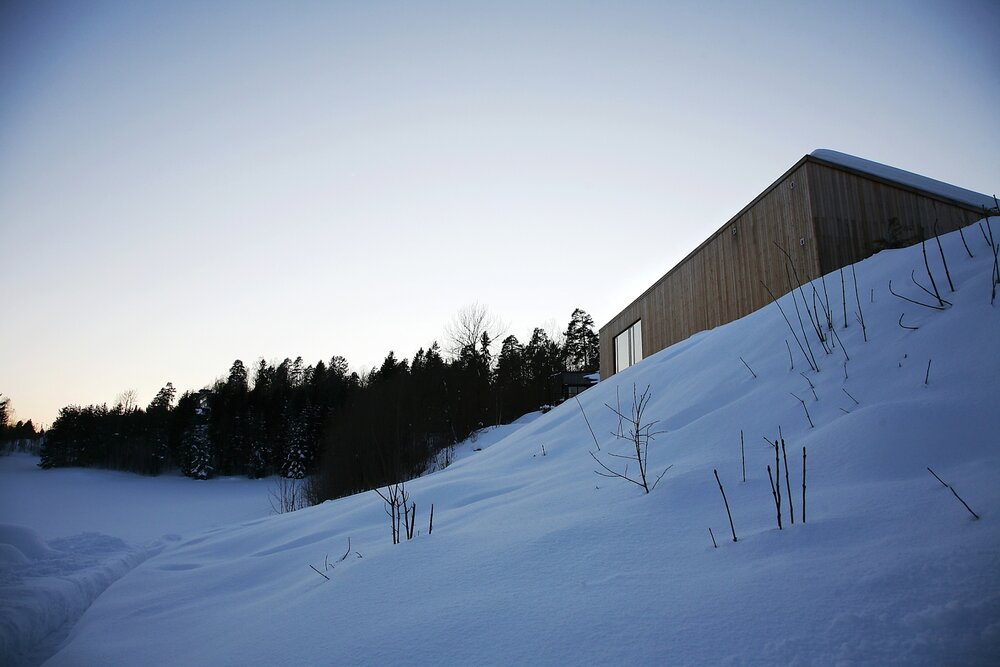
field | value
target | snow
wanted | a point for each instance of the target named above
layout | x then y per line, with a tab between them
46	585
908	178
534	559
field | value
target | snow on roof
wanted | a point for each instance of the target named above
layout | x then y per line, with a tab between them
907	178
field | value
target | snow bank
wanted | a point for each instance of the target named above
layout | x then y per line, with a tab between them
44	588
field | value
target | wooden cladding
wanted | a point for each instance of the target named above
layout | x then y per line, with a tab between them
857	215
823	215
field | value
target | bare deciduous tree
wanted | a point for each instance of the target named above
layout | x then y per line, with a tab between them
127	401
469	325
287	495
639	434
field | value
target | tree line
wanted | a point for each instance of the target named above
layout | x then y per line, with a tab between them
345	431
19	435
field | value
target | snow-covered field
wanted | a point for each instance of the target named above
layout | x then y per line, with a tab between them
536	559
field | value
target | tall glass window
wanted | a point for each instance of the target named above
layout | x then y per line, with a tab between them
628	347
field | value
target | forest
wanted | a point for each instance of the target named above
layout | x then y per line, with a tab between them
344	431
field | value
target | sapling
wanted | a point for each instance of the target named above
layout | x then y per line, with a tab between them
843	295
803	485
640	434
788	484
774	493
860	314
730	514
430	524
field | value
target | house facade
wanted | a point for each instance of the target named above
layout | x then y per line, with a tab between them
827	211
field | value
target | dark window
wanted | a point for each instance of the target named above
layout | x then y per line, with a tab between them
628	347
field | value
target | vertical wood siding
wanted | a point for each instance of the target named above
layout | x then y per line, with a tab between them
720	281
825	216
857	215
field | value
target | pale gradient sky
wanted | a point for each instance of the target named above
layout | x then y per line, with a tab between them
187	183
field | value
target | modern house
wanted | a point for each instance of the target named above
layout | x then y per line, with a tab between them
827	211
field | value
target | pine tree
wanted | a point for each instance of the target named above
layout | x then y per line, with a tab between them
198	449
582	349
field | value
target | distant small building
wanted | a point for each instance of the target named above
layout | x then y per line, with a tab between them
827	211
566	385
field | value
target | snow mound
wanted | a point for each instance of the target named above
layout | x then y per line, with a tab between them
23	540
44	593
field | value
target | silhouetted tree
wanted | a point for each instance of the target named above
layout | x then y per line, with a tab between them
582	347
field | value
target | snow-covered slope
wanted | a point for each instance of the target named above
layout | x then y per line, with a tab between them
536	559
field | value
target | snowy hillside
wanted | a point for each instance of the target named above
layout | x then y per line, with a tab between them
535	559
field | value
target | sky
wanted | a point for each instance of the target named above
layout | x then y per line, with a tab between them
184	184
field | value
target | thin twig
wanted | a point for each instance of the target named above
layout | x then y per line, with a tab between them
748	368
856	402
976	516
923	249
788	484
774	493
927	376
913	277
803	485
943	260
964	243
903	325
319	573
843	295
811	425
743	457
860	314
730	514
592	434
919	303
811	385
713	538
794	335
